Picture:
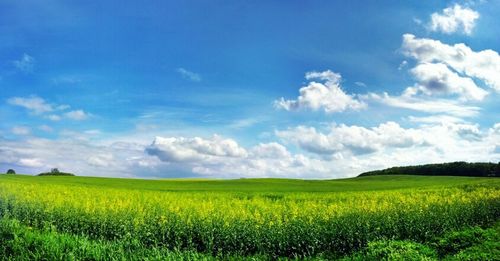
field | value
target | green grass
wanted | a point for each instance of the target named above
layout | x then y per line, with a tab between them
19	242
364	218
369	183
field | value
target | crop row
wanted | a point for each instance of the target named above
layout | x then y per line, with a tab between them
278	224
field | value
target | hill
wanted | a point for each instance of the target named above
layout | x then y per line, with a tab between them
262	185
458	168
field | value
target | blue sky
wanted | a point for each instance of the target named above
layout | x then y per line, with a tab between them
317	89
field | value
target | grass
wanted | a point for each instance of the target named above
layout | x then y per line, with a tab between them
369	183
246	218
18	242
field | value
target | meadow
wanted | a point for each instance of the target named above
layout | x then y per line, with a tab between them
102	218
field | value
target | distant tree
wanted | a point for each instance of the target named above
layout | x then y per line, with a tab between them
11	171
459	168
54	170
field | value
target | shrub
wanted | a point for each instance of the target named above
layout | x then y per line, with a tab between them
395	250
11	171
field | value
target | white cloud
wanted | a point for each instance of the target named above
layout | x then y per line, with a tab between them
34	163
271	150
35	155
45	128
77	115
192	149
327	95
39	106
21	130
244	123
219	157
35	104
434	106
483	65
453	19
360	84
436	119
353	149
192	76
25	64
338	151
53	117
355	140
436	78
402	65
100	160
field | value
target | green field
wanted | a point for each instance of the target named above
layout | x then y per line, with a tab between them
395	217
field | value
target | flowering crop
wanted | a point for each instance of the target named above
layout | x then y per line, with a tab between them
290	224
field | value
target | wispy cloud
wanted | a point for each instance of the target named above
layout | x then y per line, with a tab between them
186	74
34	104
77	115
25	64
66	80
21	130
53	112
432	106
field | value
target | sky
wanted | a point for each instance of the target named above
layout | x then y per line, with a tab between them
231	89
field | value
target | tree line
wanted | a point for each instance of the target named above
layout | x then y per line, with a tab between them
459	168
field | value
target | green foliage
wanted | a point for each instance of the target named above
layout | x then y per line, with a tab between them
18	242
253	218
459	168
470	244
248	187
11	171
56	172
52	173
394	250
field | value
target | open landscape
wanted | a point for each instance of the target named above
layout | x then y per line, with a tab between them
395	217
249	130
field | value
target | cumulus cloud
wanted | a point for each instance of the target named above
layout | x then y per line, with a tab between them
437	78
352	139
34	155
483	65
337	151
186	74
192	149
271	150
453	19
358	148
220	157
25	64
326	95
100	160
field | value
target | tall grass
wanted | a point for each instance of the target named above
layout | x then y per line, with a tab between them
300	224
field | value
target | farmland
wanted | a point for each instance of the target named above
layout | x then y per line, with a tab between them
104	218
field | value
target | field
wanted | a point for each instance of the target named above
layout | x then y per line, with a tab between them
359	218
